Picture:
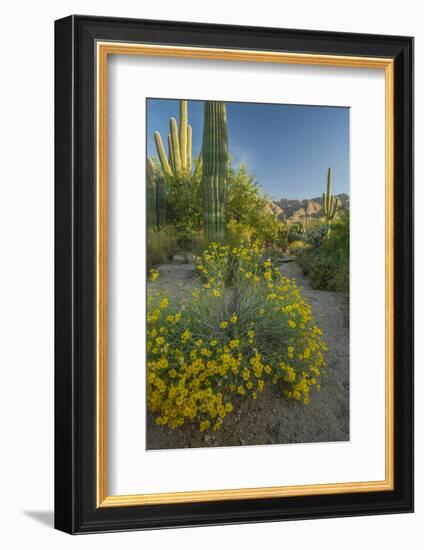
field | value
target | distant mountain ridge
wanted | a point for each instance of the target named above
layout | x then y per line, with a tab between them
295	209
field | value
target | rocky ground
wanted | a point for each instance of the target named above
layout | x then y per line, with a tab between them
272	419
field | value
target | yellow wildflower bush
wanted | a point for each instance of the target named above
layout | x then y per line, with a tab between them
245	327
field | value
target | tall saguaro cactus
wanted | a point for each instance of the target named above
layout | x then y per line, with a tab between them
179	159
215	166
330	203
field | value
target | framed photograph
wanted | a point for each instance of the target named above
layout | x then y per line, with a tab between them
234	270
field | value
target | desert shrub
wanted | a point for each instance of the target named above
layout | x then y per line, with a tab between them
316	235
328	265
297	247
228	343
292	231
184	202
161	246
282	237
248	209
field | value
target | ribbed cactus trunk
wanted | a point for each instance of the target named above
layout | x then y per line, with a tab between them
215	166
152	220
330	202
161	194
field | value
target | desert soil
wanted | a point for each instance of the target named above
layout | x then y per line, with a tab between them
272	419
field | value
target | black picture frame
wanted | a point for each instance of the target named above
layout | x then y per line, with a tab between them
76	510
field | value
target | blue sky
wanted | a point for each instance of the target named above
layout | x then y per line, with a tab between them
287	147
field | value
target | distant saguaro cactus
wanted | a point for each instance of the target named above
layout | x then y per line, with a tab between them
180	143
330	203
215	166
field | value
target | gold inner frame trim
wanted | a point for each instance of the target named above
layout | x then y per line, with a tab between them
103	50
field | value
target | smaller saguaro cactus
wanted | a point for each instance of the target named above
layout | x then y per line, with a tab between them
330	203
156	193
178	162
152	219
161	194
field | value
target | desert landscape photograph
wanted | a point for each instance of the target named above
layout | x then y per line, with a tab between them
247	273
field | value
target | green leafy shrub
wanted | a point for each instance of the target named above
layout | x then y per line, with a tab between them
228	342
248	208
328	265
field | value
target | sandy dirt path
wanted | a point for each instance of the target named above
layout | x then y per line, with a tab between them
271	419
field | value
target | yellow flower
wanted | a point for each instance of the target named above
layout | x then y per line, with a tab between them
204	425
154	274
292	324
224	324
164	303
234	343
234	318
216	293
261	311
186	335
199	342
214	343
160	340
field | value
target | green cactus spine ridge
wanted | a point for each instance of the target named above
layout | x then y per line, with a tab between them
330	203
183	135
198	165
215	166
189	148
152	220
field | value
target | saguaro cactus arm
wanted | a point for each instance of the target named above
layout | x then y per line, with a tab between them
175	145
161	153
183	135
